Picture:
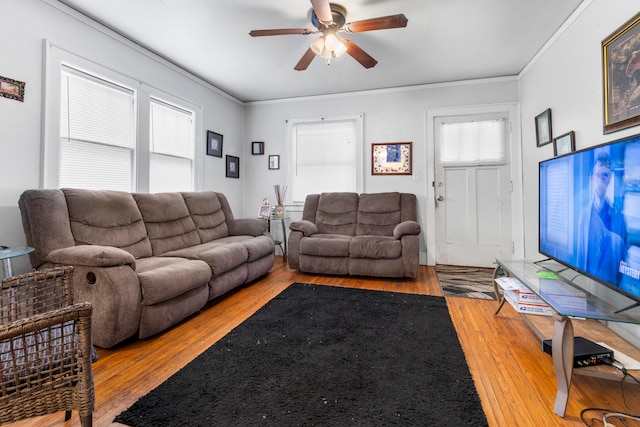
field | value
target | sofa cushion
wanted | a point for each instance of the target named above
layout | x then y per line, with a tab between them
164	278
337	213
378	214
330	245
375	247
169	224
221	255
224	257
107	218
207	214
258	247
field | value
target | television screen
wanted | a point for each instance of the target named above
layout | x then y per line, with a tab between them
590	213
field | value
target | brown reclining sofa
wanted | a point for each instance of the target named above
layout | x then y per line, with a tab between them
144	261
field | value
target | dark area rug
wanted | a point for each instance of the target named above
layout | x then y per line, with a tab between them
468	282
325	356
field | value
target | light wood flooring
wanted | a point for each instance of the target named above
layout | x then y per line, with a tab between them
515	380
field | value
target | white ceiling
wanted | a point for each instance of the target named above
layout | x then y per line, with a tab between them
444	41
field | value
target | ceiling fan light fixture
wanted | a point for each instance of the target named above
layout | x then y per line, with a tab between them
330	41
340	48
328	46
318	45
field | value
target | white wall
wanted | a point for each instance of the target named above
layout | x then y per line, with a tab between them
568	79
22	58
389	116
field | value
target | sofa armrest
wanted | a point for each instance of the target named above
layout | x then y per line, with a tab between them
247	227
406	228
307	228
92	256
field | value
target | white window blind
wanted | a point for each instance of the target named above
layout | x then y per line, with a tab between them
171	148
475	142
97	133
325	158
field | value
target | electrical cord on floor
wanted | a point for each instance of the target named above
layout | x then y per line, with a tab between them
608	413
605	418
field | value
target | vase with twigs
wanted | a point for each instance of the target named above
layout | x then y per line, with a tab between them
281	192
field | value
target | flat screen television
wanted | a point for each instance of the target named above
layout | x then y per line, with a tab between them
590	213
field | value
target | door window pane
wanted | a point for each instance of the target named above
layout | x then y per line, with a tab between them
473	143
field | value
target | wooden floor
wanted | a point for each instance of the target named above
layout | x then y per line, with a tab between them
515	380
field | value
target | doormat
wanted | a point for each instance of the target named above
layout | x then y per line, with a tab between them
467	282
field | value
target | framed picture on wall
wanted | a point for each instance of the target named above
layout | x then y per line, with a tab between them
621	72
233	167
564	144
543	128
12	89
257	148
214	144
391	158
274	161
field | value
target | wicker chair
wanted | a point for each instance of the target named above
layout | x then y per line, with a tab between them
45	348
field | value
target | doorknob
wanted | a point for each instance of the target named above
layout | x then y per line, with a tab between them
440	199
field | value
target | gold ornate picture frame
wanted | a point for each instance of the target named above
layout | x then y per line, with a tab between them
621	77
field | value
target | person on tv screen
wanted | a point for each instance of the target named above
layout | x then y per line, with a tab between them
601	227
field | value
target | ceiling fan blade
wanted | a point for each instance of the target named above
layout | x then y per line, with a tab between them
305	60
280	32
381	23
358	54
322	8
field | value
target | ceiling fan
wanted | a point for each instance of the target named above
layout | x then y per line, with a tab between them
329	20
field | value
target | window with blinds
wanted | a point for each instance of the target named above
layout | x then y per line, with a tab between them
473	143
97	133
325	158
171	148
99	143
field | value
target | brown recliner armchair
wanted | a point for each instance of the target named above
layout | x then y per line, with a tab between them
45	348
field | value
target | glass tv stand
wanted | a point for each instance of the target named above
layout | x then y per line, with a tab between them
568	301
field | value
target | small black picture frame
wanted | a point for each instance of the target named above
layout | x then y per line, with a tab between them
274	161
214	144
564	144
543	128
257	148
233	167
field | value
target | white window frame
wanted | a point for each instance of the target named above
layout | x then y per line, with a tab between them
291	147
55	57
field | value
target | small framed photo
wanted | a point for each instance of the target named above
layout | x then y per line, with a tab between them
564	144
257	148
11	89
393	158
543	128
233	167
214	144
274	161
265	210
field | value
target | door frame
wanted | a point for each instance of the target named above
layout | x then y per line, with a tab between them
515	161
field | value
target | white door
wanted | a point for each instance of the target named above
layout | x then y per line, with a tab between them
472	190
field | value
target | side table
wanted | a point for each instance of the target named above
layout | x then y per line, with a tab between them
284	234
7	254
